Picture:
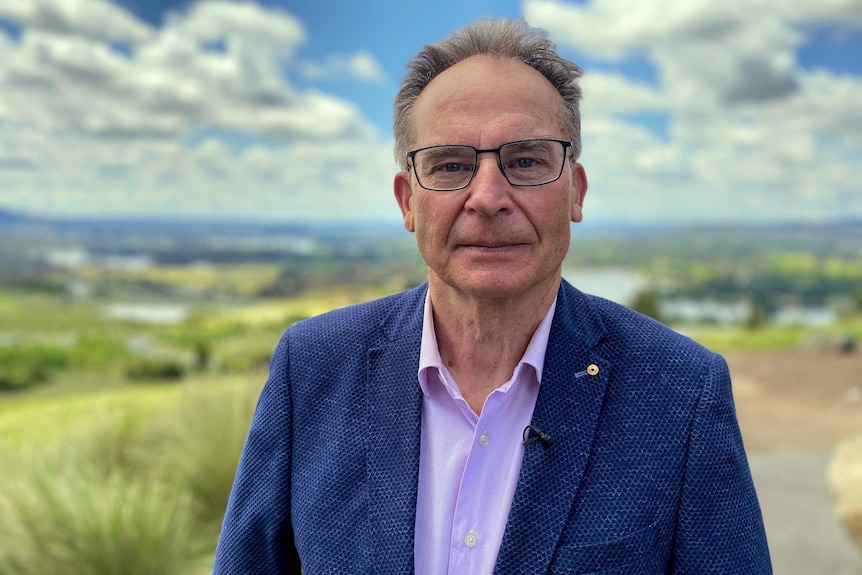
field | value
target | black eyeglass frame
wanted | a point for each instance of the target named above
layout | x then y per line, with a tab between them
411	157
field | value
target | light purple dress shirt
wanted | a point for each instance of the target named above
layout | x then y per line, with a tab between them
468	463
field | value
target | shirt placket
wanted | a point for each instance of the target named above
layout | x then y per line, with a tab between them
469	544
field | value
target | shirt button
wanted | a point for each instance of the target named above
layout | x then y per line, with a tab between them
470	540
484	440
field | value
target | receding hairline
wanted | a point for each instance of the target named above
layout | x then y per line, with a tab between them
504	39
494	59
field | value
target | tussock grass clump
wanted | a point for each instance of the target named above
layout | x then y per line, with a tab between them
116	442
74	523
207	431
130	489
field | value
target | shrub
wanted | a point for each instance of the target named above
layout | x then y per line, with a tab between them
648	303
23	366
20	377
98	350
155	370
246	361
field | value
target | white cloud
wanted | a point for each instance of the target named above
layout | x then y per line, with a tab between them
846	11
98	19
731	50
751	135
198	118
216	67
345	179
608	93
312	115
361	66
257	36
194	118
611	28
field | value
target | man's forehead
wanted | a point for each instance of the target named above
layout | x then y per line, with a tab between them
470	75
487	94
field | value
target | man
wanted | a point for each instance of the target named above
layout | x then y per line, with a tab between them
495	419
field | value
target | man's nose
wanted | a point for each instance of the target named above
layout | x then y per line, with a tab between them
489	190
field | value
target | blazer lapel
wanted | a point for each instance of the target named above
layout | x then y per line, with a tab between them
394	401
570	398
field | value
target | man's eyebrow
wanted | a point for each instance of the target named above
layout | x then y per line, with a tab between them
531	143
442	149
445	145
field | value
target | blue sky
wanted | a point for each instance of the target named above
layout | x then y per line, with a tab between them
743	111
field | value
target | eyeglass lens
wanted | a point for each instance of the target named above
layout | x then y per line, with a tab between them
525	163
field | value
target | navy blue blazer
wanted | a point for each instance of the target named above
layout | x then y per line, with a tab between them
646	475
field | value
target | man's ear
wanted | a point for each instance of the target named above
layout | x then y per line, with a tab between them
579	191
403	195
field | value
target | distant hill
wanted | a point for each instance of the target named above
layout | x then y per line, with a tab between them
10	219
15	222
184	241
821	237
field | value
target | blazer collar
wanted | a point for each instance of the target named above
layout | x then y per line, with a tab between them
567	408
394	401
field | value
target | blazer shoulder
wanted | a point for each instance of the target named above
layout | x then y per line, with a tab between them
366	322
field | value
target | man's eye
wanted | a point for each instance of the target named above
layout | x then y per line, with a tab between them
450	167
524	163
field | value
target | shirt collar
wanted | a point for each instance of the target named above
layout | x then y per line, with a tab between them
429	353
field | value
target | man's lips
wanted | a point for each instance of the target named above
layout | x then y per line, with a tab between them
490	246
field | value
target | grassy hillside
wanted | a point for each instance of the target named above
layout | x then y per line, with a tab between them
130	361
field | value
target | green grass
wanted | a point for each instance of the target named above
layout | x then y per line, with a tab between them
34	419
238	279
736	338
34	314
108	474
129	480
8	303
205	435
65	522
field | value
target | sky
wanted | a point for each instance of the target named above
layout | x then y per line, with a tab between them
740	111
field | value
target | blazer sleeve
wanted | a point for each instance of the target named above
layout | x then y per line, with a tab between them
257	535
719	527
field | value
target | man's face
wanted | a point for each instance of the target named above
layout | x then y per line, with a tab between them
491	239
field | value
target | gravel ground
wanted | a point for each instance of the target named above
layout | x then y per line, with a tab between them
794	407
805	537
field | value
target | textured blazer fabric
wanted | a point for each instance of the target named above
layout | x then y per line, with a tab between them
646	475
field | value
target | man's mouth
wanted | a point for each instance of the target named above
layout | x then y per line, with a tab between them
491	245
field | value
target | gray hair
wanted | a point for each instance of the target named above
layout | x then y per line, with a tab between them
503	38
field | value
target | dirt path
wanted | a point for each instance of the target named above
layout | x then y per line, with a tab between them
794	407
800	400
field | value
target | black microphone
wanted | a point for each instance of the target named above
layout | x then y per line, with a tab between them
533	434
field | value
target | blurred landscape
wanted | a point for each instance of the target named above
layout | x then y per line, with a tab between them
135	333
132	352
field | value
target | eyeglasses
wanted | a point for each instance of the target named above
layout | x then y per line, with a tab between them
523	163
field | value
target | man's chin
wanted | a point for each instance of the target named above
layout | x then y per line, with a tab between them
490	285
